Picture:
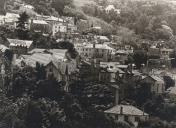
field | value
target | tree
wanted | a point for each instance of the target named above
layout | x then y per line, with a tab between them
169	82
3	7
22	30
96	95
8	58
59	5
140	57
70	47
141	24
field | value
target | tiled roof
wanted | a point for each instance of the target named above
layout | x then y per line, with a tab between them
114	69
52	18
3	48
58	51
126	110
156	78
103	38
44	56
41	58
36	50
98	46
122	66
40	22
16	42
172	90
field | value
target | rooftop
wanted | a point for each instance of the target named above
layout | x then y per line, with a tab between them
172	90
40	22
3	48
110	7
103	38
23	43
98	46
41	58
126	110
156	78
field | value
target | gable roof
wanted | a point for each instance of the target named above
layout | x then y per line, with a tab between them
41	58
3	48
99	46
52	18
103	38
23	43
36	50
126	110
172	90
42	22
156	78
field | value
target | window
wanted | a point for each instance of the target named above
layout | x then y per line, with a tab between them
137	119
117	117
126	118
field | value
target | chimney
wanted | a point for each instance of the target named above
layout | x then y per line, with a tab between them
94	45
121	110
116	96
31	24
116	93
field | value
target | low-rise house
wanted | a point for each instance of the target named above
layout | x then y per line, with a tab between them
57	63
10	19
57	25
157	84
110	74
71	28
3	48
20	46
127	113
111	8
102	39
97	51
2	19
120	56
172	93
163	53
39	26
58	28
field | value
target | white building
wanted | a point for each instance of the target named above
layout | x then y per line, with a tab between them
111	8
20	46
127	113
9	19
110	72
57	25
96	51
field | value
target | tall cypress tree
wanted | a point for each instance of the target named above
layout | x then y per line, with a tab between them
22	31
2	7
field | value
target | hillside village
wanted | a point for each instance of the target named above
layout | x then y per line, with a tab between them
72	64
